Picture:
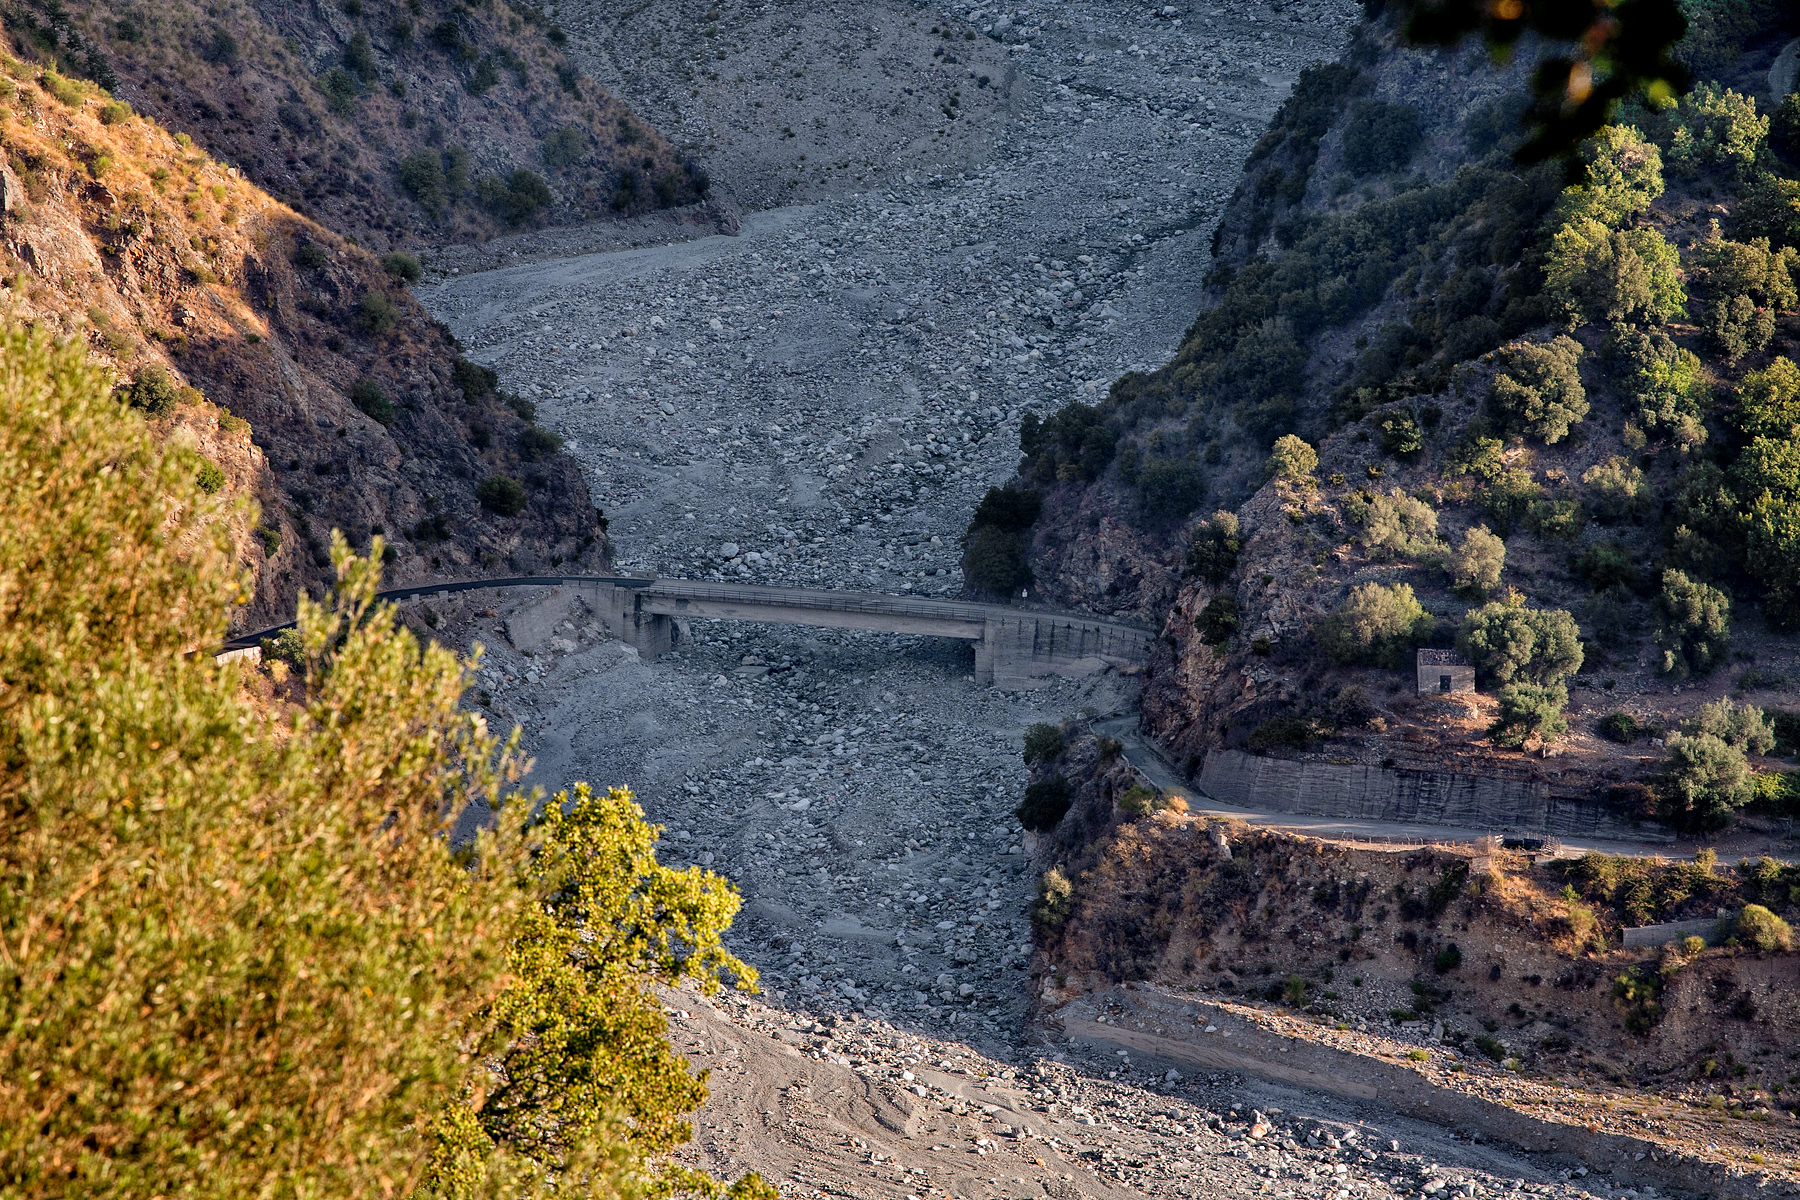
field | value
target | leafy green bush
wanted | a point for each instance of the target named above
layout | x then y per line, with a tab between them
1607	564
1556	518
1509	643
1136	800
501	494
1598	274
1395	525
1074	445
1762	930
422	176
1055	903
1447	960
1618	490
1292	459
1491	1047
1624	177
152	390
994	545
1046	801
359	57
515	199
1401	435
1378	624
1702	782
565	147
1381	137
1043	743
115	112
1693	625
311	255
1665	384
377	313
1620	727
1213	550
1280	733
1219	620
339	90
537	443
1740	726
1528	709
473	379
1741	286
402	266
367	395
1537	389
210	478
1476	565
1715	127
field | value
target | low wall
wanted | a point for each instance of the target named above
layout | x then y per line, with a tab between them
1370	793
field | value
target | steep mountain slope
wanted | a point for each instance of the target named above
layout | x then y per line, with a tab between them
1540	399
396	123
221	306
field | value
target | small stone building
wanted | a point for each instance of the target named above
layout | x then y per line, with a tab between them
1444	672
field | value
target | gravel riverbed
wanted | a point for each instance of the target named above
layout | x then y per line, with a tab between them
820	401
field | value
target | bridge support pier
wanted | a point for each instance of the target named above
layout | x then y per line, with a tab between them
653	634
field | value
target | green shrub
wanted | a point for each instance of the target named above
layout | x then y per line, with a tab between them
1401	435
1292	459
210	478
1395	525
994	545
1055	903
359	57
537	443
1620	727
1741	287
473	379
310	254
1537	389
287	647
1702	782
1378	624
339	90
402	266
1740	726
1638	994
1381	137
1043	743
565	147
1693	625
1475	566
1219	620
1447	960
1563	519
1074	445
515	199
367	395
1280	732
1509	643
501	494
1618	490
1213	550
1715	127
422	176
1762	930
66	91
1527	710
377	314
1490	1047
1171	488
1046	802
153	391
1665	385
1136	801
1598	274
1624	177
270	537
115	112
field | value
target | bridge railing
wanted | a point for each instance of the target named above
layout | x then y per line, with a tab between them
830	600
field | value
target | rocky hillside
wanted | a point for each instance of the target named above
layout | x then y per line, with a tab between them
295	360
396	123
1493	400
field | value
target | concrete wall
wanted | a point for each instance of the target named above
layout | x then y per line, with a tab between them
1431	678
1370	793
1018	651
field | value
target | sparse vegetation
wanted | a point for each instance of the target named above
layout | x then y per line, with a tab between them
501	494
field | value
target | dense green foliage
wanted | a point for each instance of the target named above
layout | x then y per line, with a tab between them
238	955
994	546
1510	643
1380	137
1693	625
1530	710
1213	548
1537	389
1043	743
1476	565
1046	801
1378	624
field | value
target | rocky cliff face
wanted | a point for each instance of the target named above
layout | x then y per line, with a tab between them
396	123
305	370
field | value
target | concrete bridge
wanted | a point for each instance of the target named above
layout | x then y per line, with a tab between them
1013	646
